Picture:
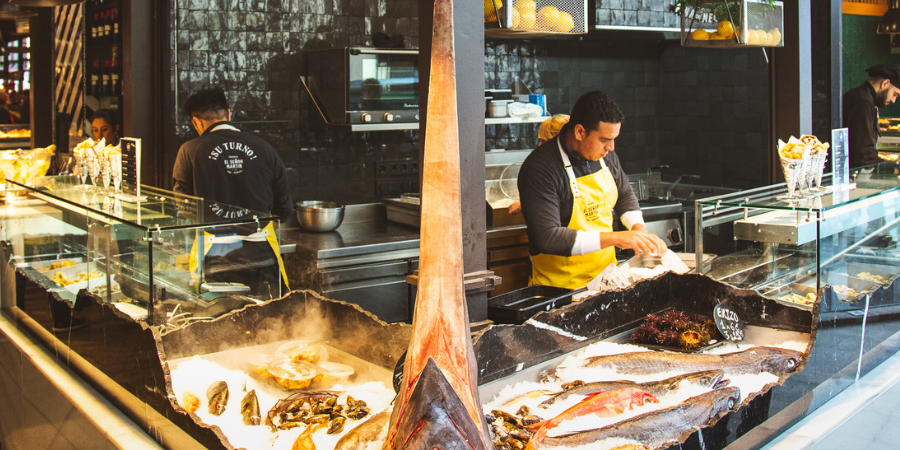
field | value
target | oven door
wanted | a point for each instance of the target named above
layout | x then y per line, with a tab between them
383	85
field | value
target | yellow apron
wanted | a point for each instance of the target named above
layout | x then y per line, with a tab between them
595	196
267	234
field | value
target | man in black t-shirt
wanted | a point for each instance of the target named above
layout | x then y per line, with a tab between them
860	111
229	166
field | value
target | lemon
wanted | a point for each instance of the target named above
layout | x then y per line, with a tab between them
715	36
489	15
565	22
700	35
752	38
547	18
725	29
528	21
524	6
776	36
516	18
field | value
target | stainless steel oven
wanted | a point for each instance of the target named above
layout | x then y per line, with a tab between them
362	85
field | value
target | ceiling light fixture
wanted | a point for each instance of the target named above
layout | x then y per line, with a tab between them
890	23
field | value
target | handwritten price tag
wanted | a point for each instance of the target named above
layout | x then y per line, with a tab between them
728	322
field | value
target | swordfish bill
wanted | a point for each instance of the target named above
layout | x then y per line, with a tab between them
444	412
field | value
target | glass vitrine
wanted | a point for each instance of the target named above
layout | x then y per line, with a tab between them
163	259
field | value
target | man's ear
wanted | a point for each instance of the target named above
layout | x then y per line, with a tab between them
580	132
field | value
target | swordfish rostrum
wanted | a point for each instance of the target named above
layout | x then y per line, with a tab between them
438	404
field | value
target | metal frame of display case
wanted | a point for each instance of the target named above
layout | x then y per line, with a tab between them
166	225
793	232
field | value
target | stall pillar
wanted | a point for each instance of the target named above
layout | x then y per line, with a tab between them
469	45
790	82
43	78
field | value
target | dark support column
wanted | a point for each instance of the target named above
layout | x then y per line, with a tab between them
826	67
790	82
469	44
43	78
143	64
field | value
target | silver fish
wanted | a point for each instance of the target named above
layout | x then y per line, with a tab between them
774	360
663	427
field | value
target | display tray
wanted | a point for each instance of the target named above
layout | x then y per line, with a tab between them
517	306
667	348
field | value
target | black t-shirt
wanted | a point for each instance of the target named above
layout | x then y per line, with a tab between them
234	168
861	120
547	199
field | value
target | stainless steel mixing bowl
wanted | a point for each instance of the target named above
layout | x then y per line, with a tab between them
316	215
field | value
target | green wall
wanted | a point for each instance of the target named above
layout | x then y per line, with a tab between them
864	48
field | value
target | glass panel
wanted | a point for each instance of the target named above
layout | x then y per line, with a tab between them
384	81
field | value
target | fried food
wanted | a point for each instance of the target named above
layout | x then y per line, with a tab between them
793	150
190	402
807	300
872	277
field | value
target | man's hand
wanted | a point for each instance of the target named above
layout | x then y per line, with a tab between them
637	240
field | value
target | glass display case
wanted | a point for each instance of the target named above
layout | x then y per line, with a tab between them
788	249
168	259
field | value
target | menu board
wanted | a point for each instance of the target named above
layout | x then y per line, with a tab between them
131	167
840	164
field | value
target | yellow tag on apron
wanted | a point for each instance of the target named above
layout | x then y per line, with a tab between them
595	196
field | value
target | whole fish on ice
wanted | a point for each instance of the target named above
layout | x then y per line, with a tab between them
662	427
774	360
601	404
708	378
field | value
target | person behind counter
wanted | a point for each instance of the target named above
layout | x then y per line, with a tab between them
105	124
860	111
569	187
232	167
548	130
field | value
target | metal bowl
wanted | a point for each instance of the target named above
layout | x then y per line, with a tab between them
316	215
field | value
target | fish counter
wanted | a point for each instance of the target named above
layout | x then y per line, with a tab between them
262	351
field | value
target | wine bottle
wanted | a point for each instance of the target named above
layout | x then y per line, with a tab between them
95	79
106	79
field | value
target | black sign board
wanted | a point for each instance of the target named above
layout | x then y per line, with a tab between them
728	322
131	166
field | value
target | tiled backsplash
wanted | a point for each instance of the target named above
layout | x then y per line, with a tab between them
684	107
699	111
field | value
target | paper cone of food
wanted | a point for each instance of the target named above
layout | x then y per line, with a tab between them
792	156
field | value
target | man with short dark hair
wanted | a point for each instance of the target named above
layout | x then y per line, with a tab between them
569	187
229	166
860	111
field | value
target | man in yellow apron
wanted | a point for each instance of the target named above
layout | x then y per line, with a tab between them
569	188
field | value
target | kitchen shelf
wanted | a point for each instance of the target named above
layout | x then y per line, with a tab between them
505	120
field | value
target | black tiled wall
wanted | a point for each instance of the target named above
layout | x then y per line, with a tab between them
254	50
637	13
697	110
700	111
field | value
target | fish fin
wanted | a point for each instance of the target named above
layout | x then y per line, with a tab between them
609	411
536	426
536	439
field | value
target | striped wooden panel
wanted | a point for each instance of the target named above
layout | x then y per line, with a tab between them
864	7
70	64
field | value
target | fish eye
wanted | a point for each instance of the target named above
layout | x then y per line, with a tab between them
705	381
792	363
731	403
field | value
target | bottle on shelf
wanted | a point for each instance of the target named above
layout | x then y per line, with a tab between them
115	19
95	79
94	26
107	27
106	79
114	78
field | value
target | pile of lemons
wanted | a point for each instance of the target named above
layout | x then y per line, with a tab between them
725	30
526	16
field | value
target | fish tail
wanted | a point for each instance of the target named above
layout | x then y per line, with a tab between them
536	439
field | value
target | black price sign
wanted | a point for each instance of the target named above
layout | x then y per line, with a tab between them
398	372
728	322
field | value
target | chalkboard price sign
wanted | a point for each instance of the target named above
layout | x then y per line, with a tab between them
728	322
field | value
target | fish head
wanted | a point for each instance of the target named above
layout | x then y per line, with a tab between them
707	378
782	361
641	398
726	399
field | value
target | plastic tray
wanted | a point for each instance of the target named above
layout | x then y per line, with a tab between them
518	306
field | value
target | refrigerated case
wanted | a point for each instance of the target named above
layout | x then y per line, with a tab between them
787	249
142	257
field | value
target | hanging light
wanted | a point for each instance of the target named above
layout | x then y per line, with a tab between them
890	23
45	2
